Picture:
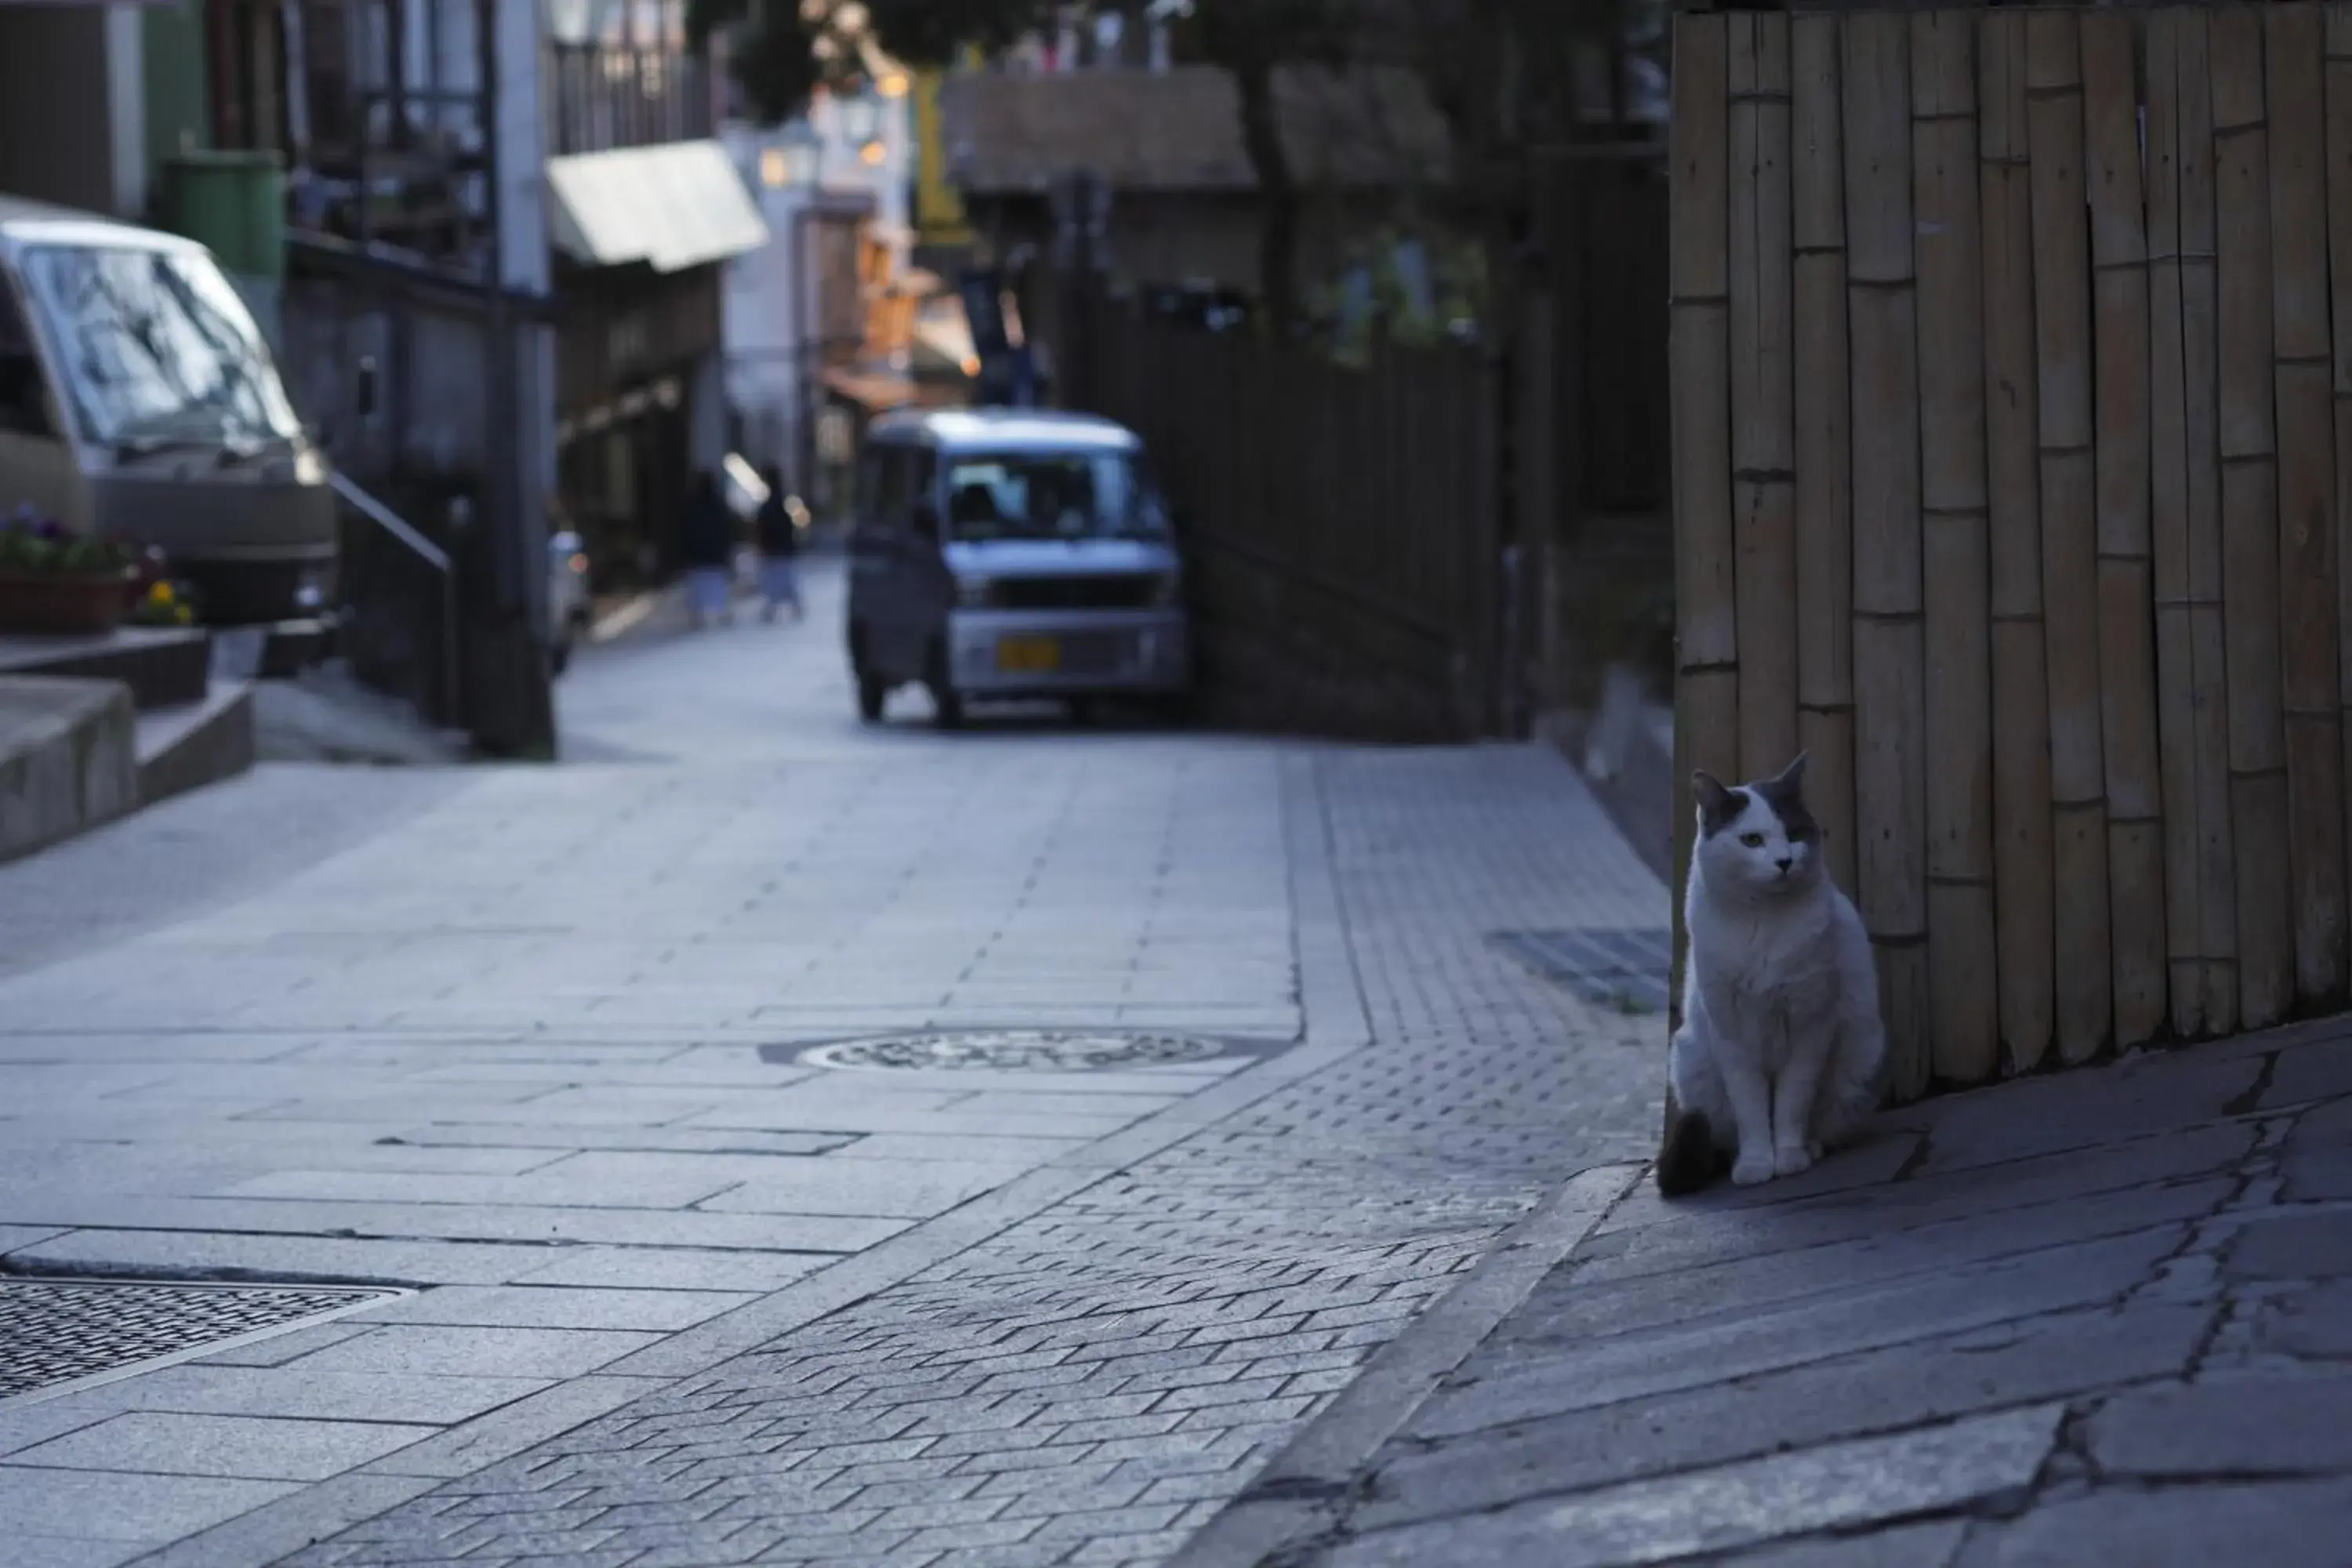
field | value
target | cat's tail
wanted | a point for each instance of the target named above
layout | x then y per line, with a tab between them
1688	1158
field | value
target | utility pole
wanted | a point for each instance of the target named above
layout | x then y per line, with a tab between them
511	706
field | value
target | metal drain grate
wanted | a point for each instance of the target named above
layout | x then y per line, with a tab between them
1623	969
1020	1050
61	1330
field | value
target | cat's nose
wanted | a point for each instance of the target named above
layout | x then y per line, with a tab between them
1784	862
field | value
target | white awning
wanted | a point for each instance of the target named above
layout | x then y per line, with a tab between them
673	206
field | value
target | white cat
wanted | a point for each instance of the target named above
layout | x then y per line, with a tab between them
1780	1054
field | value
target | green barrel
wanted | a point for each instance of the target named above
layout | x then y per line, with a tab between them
232	201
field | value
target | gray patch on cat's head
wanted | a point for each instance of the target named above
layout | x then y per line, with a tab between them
1719	804
1784	795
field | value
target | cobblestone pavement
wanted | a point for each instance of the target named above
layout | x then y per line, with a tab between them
2097	1319
679	1299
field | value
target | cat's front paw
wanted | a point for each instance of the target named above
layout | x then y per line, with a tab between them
1792	1161
1750	1170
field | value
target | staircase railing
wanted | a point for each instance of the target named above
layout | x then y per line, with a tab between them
432	556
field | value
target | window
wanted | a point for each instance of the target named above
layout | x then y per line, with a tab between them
23	399
1051	495
159	349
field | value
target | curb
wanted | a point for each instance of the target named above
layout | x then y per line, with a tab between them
1296	1498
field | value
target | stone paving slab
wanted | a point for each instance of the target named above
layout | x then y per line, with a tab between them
1087	1384
524	1039
2085	1318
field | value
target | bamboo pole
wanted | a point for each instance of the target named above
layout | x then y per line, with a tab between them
1823	443
1706	673
1763	422
2249	565
1962	975
2069	532
2135	784
1890	697
2338	112
2020	691
2303	385
2200	907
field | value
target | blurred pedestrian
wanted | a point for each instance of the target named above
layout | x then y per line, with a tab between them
705	547
779	544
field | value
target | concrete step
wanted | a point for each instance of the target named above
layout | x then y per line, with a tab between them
67	759
162	666
191	744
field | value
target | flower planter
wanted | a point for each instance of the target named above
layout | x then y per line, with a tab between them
61	604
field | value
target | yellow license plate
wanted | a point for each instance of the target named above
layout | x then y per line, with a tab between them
1028	655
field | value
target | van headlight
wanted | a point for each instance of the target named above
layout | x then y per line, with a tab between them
1168	590
975	592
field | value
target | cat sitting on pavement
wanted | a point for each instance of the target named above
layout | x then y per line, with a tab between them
1780	1054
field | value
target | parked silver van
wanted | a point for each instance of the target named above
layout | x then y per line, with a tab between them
1011	554
138	397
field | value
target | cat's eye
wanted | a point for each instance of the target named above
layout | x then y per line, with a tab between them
1753	840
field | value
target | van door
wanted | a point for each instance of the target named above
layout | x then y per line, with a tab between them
37	465
876	611
901	625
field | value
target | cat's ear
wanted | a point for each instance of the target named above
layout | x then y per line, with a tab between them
1792	777
1714	798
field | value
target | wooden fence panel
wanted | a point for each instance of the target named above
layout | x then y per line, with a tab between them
2134	791
1963	980
1823	443
2020	691
2337	87
1706	676
1890	681
1763	423
2250	520
2070	362
2201	918
2069	531
2294	45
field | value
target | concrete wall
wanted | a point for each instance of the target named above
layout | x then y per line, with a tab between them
72	107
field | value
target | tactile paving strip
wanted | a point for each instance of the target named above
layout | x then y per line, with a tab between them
61	1330
1624	969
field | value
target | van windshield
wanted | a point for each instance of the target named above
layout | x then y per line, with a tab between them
158	349
1051	495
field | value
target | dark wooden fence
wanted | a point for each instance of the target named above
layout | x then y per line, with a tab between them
1439	542
1341	522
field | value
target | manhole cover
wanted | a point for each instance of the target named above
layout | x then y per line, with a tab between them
61	1330
1032	1050
1625	970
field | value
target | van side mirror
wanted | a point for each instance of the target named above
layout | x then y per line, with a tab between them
926	520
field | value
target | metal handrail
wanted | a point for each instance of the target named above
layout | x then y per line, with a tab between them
432	555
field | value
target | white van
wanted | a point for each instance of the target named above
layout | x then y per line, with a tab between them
1014	553
139	398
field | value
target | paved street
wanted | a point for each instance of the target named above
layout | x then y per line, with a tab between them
2088	1320
526	1045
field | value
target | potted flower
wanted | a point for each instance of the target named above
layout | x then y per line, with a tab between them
164	603
58	582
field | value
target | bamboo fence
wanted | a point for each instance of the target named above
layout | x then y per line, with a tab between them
2012	356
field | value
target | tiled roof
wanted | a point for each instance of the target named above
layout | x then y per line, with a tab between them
1180	130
